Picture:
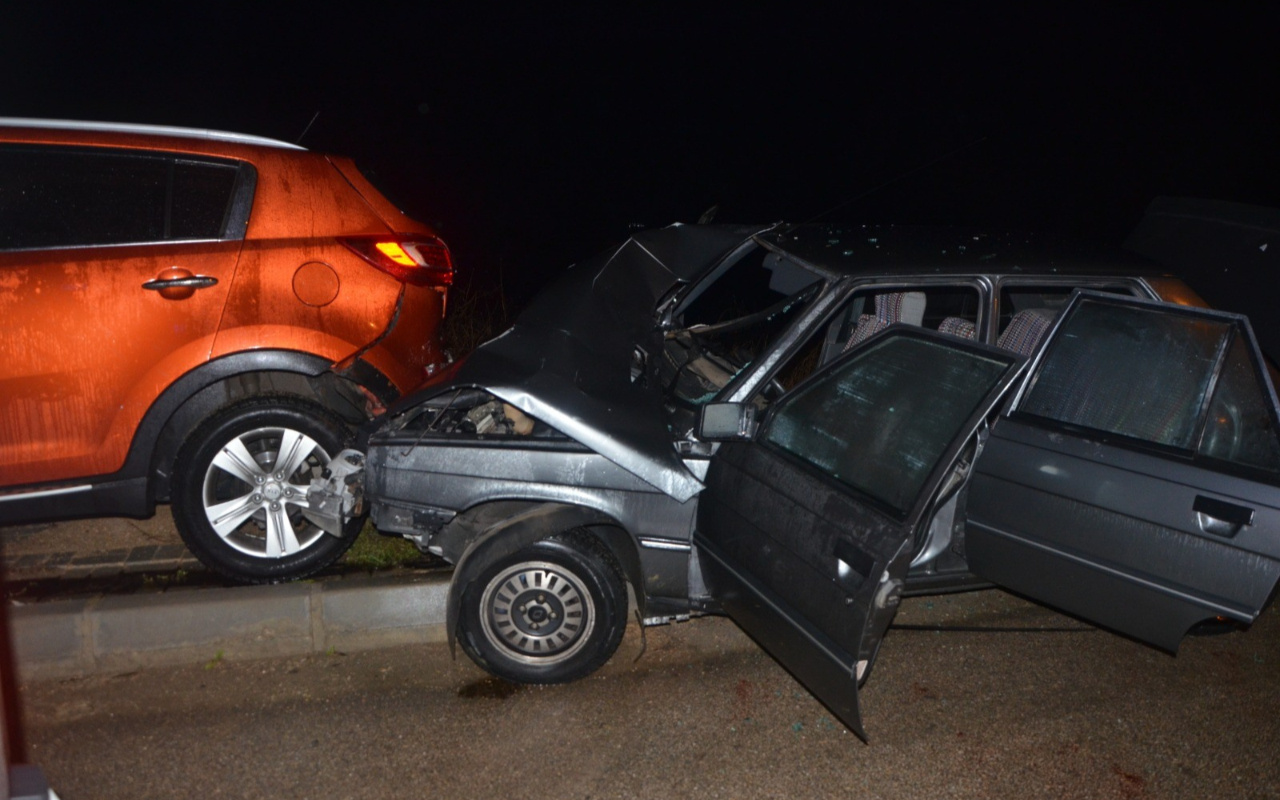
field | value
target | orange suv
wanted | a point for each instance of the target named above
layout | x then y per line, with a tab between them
200	318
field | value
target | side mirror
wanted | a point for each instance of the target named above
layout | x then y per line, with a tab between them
722	422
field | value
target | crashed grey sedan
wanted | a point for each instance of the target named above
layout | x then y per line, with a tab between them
796	425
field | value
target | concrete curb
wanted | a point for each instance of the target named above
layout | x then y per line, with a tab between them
106	634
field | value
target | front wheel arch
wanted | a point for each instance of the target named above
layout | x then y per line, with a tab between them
552	612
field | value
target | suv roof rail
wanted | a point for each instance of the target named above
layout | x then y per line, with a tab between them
162	130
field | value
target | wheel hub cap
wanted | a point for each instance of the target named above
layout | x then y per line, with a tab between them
537	611
255	492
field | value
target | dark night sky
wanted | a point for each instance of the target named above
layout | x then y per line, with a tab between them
533	136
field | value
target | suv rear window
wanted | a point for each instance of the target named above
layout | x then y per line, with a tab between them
62	197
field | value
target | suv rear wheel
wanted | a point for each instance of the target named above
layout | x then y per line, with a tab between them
240	491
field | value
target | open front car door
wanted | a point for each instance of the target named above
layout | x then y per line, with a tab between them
1136	480
1133	479
805	533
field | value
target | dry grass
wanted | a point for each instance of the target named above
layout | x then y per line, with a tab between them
373	551
474	317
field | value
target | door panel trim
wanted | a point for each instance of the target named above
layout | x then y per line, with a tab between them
7	498
779	607
1043	459
1215	608
767	620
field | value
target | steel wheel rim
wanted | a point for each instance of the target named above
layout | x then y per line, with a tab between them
255	492
537	613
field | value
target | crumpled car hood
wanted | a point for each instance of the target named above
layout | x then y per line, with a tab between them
567	360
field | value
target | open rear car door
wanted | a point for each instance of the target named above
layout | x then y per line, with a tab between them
805	533
1135	481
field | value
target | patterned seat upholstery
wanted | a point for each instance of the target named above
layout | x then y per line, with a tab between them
891	307
1026	329
958	326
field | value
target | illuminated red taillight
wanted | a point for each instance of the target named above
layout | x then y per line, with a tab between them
419	260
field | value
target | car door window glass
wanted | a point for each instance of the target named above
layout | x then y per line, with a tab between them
55	197
1141	373
1239	428
950	309
68	199
880	421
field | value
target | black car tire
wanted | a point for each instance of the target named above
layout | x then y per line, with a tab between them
551	613
266	535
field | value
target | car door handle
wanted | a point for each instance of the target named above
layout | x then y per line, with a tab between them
194	282
853	565
178	283
1220	517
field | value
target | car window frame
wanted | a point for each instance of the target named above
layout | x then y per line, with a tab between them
823	311
235	224
1239	326
1012	377
1137	288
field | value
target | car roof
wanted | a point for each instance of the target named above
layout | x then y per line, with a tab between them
853	250
204	134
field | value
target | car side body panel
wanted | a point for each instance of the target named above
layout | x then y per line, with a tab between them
810	566
143	479
1136	503
1050	517
91	348
435	490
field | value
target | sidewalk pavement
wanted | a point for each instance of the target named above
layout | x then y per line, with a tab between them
83	630
90	548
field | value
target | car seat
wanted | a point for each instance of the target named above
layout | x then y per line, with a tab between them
1026	329
958	326
891	307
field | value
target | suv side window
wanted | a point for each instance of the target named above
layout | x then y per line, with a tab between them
202	198
65	197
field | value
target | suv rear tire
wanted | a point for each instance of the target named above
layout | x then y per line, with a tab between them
240	481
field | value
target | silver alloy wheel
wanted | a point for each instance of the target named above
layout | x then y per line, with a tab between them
255	492
537	612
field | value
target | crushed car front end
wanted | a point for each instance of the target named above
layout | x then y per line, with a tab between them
560	424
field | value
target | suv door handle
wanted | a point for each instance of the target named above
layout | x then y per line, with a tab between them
194	282
1220	517
176	283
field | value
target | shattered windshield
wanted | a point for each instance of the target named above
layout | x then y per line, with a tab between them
726	322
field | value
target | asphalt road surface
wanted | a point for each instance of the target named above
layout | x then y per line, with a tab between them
701	714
